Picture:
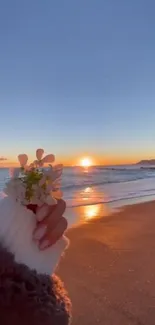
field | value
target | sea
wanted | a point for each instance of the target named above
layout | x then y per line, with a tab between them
100	184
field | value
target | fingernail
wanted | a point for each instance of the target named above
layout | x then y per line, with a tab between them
44	244
39	233
42	213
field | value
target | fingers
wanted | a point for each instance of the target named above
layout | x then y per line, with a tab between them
56	214
44	211
52	227
52	236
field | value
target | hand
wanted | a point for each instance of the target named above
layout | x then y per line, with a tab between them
50	224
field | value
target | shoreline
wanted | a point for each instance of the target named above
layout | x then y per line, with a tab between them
85	213
109	267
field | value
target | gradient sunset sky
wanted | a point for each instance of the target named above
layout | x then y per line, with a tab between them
77	77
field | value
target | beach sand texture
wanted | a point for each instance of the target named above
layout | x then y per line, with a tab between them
109	269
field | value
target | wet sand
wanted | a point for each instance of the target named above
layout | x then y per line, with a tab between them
109	269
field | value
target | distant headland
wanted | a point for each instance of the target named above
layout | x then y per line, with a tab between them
149	162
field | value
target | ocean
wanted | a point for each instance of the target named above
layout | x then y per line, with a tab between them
86	186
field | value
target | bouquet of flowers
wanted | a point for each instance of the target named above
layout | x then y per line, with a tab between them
30	187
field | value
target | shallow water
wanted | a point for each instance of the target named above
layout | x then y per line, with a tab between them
94	185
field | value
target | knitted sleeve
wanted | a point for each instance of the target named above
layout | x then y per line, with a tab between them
29	298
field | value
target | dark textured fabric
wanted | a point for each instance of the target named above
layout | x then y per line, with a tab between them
27	298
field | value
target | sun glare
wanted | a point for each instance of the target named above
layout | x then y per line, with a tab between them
86	162
91	211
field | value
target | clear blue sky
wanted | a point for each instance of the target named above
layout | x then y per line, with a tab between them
77	76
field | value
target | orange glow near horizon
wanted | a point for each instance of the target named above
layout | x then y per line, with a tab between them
85	161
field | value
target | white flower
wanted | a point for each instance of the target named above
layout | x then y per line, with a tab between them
43	180
33	184
42	198
16	189
29	167
41	161
54	173
23	158
50	200
58	167
21	191
48	159
57	194
39	153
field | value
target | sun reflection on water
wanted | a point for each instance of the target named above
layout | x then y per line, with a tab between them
88	189
89	204
89	196
91	211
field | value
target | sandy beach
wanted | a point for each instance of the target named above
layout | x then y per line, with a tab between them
109	269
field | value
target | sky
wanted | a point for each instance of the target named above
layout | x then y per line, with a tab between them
77	77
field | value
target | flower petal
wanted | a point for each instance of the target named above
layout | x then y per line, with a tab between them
26	168
58	174
49	186
35	163
57	194
31	166
14	172
56	186
42	181
40	163
39	153
50	200
48	159
23	158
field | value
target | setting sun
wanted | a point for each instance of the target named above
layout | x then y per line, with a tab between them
86	162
